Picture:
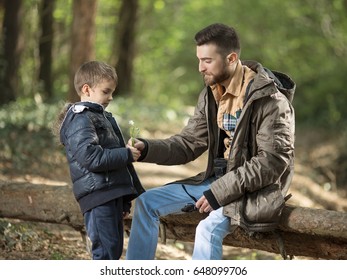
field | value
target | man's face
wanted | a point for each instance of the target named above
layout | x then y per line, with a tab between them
212	66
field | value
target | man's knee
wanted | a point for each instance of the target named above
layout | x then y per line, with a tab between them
210	226
145	204
202	228
141	201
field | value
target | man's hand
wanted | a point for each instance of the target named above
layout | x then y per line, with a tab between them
138	144
203	205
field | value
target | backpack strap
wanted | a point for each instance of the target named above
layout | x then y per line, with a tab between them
280	244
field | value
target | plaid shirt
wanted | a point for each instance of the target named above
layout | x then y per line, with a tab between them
230	121
230	100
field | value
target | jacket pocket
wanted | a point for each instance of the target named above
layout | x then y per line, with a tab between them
265	205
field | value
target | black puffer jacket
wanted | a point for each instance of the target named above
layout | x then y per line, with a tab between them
100	165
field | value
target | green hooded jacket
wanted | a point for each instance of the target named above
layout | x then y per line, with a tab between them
261	161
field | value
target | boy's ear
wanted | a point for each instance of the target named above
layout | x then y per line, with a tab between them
86	90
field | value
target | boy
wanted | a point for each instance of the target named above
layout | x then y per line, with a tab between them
104	179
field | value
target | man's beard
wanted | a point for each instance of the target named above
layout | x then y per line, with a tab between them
217	79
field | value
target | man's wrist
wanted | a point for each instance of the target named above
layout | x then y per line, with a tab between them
144	151
211	199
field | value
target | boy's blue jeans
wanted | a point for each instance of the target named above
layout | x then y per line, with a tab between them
104	225
170	199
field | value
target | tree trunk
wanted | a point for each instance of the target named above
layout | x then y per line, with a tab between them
82	39
125	45
11	50
314	233
45	47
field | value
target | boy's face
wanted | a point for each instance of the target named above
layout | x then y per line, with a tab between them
101	93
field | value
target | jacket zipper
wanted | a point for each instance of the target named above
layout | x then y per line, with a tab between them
121	134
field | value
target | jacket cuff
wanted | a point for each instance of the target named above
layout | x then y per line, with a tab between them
130	156
211	199
145	150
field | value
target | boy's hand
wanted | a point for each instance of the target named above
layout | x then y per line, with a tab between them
135	152
138	144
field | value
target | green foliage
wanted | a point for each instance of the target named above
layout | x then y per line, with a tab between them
148	117
13	236
57	256
29	114
300	38
33	240
25	133
304	38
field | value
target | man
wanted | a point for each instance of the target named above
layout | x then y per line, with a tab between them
244	118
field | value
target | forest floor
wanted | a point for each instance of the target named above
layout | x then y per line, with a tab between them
314	185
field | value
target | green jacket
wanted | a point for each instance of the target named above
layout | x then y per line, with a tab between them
261	162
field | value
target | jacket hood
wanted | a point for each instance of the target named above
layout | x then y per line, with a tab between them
282	81
67	114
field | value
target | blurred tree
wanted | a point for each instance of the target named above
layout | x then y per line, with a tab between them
306	39
82	38
11	50
45	46
125	45
2	7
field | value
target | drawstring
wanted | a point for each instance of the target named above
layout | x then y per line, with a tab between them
189	207
192	197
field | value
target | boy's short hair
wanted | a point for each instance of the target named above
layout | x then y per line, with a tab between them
92	73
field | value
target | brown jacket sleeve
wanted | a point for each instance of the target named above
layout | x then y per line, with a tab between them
185	146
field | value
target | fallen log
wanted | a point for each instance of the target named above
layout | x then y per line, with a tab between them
40	203
314	233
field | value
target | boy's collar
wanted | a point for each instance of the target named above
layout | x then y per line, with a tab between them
91	105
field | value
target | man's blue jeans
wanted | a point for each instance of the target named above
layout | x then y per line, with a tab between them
104	225
170	199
